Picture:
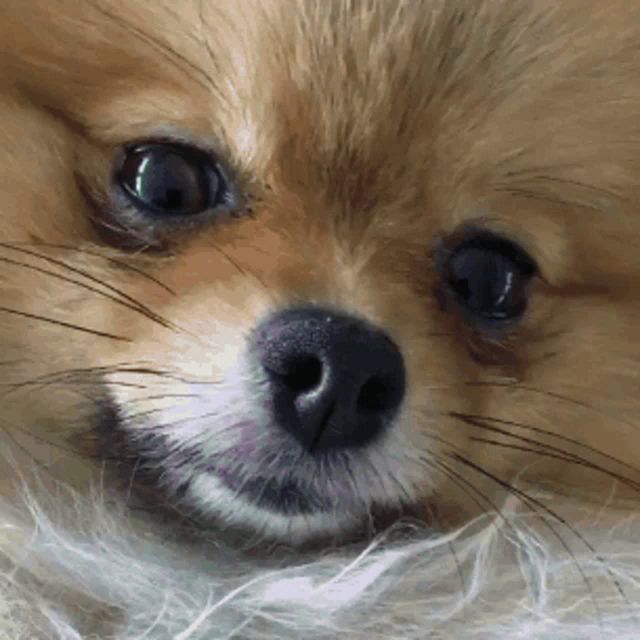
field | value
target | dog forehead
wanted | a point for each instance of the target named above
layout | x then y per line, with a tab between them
348	94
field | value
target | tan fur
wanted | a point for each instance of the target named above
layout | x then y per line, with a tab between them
360	133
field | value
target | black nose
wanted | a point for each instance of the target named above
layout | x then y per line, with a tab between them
335	381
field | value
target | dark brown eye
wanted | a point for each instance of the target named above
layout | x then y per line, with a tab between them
489	277
170	179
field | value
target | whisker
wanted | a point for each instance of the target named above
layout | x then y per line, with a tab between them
558	454
476	496
165	373
549	394
178	60
66	325
471	491
134	307
161	396
202	416
538	506
8	428
479	421
120	296
240	269
118	263
551	176
41	464
65	376
535	195
133	416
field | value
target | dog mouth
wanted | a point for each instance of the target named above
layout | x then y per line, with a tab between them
280	496
293	483
265	487
299	485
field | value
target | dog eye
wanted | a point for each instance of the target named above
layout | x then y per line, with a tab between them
170	179
489	277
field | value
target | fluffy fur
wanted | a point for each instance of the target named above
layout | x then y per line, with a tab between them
92	572
361	138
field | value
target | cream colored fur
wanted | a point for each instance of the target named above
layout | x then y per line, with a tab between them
76	567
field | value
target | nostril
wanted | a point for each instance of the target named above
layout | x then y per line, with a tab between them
375	396
334	380
304	373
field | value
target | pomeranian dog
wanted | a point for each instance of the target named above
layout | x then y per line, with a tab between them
319	318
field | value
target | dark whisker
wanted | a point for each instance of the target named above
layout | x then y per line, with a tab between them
87	287
174	57
547	451
30	455
207	45
79	375
551	175
66	325
549	394
239	268
480	421
471	491
118	263
120	297
544	449
537	507
8	428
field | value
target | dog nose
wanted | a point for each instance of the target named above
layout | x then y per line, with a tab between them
335	380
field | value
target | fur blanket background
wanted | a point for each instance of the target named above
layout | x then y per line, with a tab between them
107	574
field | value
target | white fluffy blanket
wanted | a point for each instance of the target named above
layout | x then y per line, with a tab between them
105	574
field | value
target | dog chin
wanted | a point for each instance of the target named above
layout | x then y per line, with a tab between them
293	522
298	498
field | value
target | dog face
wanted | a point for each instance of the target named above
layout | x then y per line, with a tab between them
290	263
